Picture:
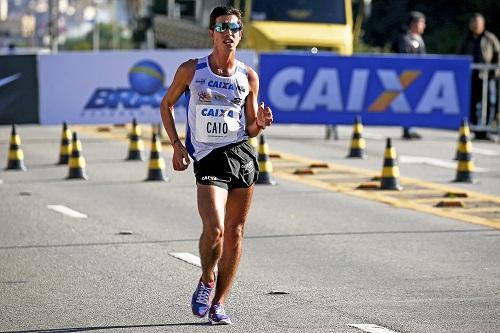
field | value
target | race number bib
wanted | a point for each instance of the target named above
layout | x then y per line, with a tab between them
217	124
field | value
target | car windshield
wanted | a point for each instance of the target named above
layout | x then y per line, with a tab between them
318	11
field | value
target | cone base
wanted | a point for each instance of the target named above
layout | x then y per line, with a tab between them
77	173
356	153
63	159
156	175
465	177
390	184
15	165
135	155
265	179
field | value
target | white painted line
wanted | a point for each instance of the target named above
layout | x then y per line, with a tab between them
187	257
486	152
374	136
67	211
370	328
406	159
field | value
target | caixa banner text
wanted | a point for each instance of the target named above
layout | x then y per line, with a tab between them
425	91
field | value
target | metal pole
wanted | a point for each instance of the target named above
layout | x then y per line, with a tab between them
95	35
115	40
53	24
484	98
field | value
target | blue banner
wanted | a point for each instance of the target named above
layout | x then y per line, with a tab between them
397	90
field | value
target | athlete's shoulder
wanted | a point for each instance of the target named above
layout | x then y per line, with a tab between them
188	66
252	75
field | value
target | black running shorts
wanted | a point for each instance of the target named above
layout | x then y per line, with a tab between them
228	167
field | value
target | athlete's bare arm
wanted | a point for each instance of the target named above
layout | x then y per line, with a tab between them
257	116
182	79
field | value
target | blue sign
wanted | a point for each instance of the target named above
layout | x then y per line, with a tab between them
402	90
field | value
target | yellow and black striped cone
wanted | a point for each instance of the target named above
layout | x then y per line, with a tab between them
390	171
465	166
156	168
76	161
265	165
65	150
16	157
254	143
136	146
464	136
358	144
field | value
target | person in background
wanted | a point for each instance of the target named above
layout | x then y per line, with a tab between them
411	42
484	48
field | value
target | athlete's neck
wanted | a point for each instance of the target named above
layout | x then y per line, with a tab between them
222	63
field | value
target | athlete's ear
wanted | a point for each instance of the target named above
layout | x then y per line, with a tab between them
211	34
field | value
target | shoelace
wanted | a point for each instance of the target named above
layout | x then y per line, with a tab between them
203	294
218	309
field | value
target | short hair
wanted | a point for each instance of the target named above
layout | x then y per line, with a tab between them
476	16
414	17
221	11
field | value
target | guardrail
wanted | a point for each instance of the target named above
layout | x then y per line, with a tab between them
490	93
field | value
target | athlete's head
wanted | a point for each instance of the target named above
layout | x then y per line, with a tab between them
225	26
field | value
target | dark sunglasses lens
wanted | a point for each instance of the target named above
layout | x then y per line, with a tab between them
221	27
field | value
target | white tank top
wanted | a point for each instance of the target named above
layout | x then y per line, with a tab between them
216	116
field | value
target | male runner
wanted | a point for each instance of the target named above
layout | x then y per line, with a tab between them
222	114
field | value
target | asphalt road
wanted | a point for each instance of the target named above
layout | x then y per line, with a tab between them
339	259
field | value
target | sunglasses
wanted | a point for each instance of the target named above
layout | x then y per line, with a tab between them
221	27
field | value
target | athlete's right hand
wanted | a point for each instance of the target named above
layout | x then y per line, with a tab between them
180	160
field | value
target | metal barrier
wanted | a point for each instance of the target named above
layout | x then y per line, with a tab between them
490	93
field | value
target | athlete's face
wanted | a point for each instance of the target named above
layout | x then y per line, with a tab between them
223	35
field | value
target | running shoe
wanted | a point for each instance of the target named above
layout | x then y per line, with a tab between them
200	302
218	316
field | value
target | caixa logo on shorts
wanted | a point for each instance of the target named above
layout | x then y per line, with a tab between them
248	168
210	178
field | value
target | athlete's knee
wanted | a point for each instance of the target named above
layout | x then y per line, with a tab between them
214	232
235	231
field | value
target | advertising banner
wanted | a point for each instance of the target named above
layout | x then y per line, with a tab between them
112	87
18	89
394	90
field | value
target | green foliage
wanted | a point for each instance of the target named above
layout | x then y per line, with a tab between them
447	21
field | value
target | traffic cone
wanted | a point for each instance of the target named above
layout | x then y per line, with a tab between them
16	157
390	171
156	168
358	144
465	166
265	166
463	137
254	143
65	150
136	146
76	161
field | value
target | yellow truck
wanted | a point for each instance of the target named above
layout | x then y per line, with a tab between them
313	25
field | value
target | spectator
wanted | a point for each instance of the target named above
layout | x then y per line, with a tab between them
484	48
411	42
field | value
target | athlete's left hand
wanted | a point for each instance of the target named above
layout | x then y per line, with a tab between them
264	116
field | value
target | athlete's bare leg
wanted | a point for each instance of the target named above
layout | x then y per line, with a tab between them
237	207
211	206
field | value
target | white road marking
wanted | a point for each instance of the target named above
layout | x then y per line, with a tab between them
370	328
486	152
67	211
374	136
406	159
187	257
